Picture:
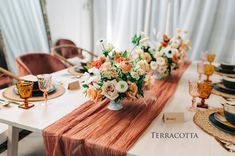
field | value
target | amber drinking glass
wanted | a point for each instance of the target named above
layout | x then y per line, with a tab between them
44	84
211	58
193	91
25	89
209	70
200	69
204	89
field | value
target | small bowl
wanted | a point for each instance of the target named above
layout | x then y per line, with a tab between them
229	82
229	112
227	66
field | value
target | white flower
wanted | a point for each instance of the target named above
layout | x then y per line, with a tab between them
109	90
144	40
94	70
153	65
122	86
108	47
169	52
94	75
135	75
161	61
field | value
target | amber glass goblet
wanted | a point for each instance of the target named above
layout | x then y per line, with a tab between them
211	58
208	70
193	91
204	89
200	69
44	84
25	89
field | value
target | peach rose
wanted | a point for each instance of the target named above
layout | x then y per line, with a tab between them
132	90
125	66
146	56
143	64
94	94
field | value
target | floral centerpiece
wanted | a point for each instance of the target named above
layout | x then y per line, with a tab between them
168	55
116	76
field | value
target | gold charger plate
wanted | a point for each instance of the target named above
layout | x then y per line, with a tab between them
201	119
11	95
73	72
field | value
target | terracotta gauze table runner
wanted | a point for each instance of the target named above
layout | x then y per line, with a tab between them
94	130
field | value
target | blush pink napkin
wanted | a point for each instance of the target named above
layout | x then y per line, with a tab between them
93	130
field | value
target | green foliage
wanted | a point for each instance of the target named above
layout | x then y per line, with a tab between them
136	40
124	54
85	86
106	53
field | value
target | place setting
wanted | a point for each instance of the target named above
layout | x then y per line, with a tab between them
218	122
32	89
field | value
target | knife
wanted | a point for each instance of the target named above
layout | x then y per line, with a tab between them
9	101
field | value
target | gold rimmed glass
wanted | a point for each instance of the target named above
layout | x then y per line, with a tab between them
211	58
208	70
45	84
193	91
200	69
25	89
204	89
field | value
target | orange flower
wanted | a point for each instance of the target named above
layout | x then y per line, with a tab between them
97	63
94	94
132	90
125	66
175	58
118	59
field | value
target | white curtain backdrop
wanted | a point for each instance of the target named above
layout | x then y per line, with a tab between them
22	27
210	23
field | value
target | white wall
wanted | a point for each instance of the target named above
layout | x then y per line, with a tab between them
70	19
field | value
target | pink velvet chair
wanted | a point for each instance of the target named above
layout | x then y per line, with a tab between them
67	52
38	63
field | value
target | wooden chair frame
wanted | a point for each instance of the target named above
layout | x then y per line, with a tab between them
67	63
4	72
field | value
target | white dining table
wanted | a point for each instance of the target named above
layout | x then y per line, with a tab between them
41	116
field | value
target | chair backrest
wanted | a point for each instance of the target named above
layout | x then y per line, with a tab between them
67	52
83	54
38	63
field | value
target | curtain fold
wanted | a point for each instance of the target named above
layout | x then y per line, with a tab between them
22	27
210	23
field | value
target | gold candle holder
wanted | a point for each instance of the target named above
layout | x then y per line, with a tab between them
204	90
